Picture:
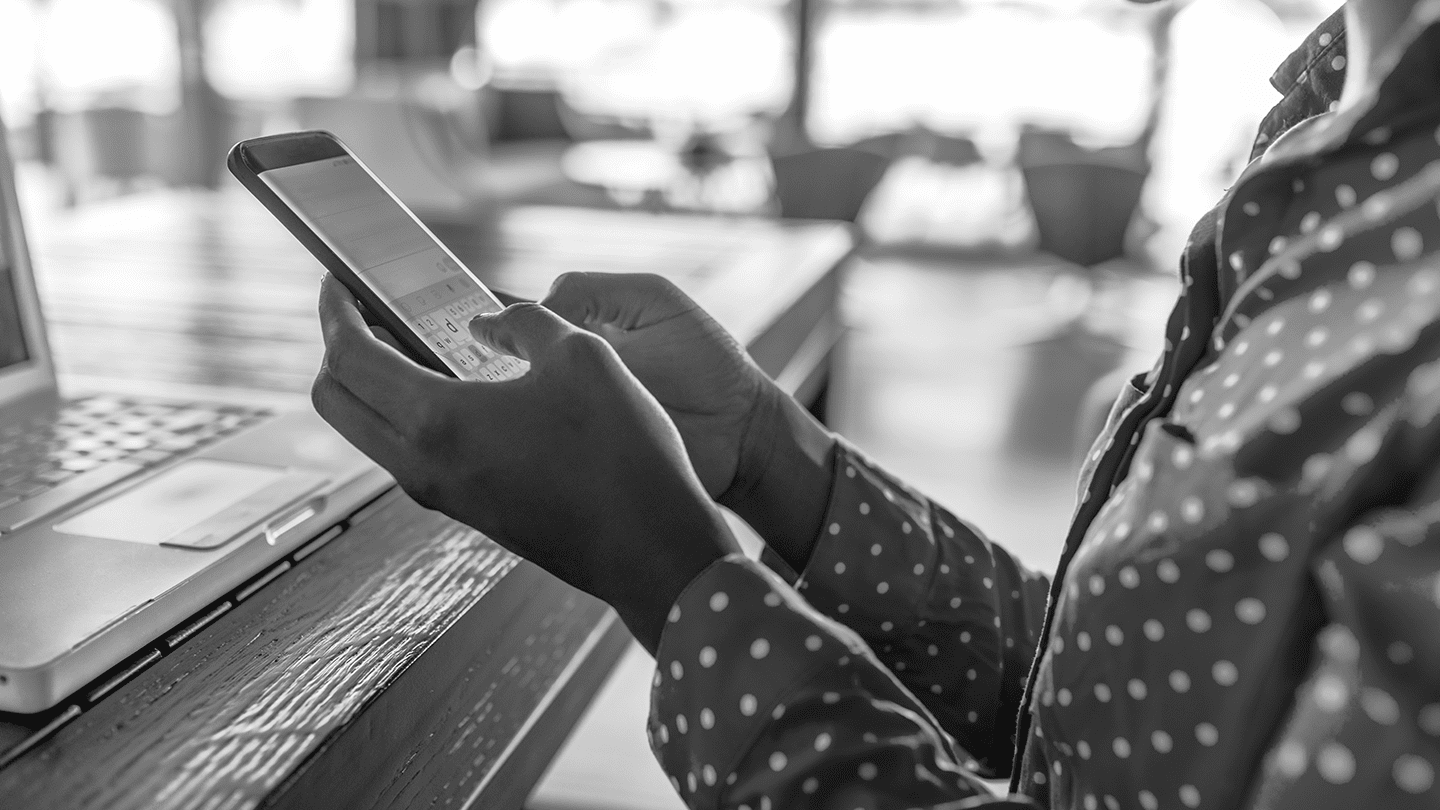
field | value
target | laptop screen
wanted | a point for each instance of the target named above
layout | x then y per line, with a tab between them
12	332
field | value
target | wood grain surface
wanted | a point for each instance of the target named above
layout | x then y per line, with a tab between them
409	662
316	685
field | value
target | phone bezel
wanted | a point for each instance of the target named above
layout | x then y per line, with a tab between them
249	158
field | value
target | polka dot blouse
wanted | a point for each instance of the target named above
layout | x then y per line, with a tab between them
1247	610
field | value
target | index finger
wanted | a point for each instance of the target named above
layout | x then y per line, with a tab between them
622	300
369	368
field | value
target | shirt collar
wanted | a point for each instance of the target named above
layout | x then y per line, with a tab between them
1326	41
1308	81
1406	84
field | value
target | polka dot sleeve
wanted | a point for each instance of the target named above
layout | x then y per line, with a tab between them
953	616
760	702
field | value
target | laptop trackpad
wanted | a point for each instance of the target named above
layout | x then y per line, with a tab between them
200	503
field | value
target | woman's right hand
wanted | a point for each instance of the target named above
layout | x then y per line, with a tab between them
699	373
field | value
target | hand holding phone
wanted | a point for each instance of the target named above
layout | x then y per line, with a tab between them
369	240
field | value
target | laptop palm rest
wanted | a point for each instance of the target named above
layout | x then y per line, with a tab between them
197	504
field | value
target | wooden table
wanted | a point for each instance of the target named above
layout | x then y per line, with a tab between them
409	662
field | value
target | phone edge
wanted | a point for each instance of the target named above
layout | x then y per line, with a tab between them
241	169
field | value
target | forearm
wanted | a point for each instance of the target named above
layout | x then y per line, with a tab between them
954	616
759	701
786	473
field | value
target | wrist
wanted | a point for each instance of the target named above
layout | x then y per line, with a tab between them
692	539
784	476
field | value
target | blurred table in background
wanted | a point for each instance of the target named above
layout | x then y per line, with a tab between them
458	687
207	288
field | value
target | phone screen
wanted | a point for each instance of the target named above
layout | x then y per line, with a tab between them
397	258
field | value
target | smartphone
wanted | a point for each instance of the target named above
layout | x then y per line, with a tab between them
376	247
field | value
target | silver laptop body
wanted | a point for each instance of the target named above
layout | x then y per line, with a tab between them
124	521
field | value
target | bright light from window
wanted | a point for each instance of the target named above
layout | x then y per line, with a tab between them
962	70
543	37
19	35
278	49
712	64
99	52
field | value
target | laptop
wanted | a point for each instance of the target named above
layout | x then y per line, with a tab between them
128	523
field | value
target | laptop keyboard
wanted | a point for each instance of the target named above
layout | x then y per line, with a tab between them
94	441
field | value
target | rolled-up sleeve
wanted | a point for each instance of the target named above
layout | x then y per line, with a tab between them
953	616
761	702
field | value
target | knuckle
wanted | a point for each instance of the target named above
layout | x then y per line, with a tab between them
582	347
657	282
511	318
522	311
570	282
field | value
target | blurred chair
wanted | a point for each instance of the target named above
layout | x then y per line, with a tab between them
1083	199
826	183
526	115
581	126
936	147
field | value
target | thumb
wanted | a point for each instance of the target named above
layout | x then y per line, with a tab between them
523	330
625	301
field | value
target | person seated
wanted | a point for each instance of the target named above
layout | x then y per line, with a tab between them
1245	611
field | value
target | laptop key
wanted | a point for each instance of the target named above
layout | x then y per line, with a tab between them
28	511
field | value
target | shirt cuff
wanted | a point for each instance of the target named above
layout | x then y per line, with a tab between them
887	560
738	641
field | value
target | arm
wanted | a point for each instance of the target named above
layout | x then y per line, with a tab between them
576	467
761	702
784	476
953	616
573	465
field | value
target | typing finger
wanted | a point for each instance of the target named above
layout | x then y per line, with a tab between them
622	301
526	331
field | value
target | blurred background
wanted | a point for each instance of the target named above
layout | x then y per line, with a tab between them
1021	175
678	104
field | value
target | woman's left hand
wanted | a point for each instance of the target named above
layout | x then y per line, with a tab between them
573	466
